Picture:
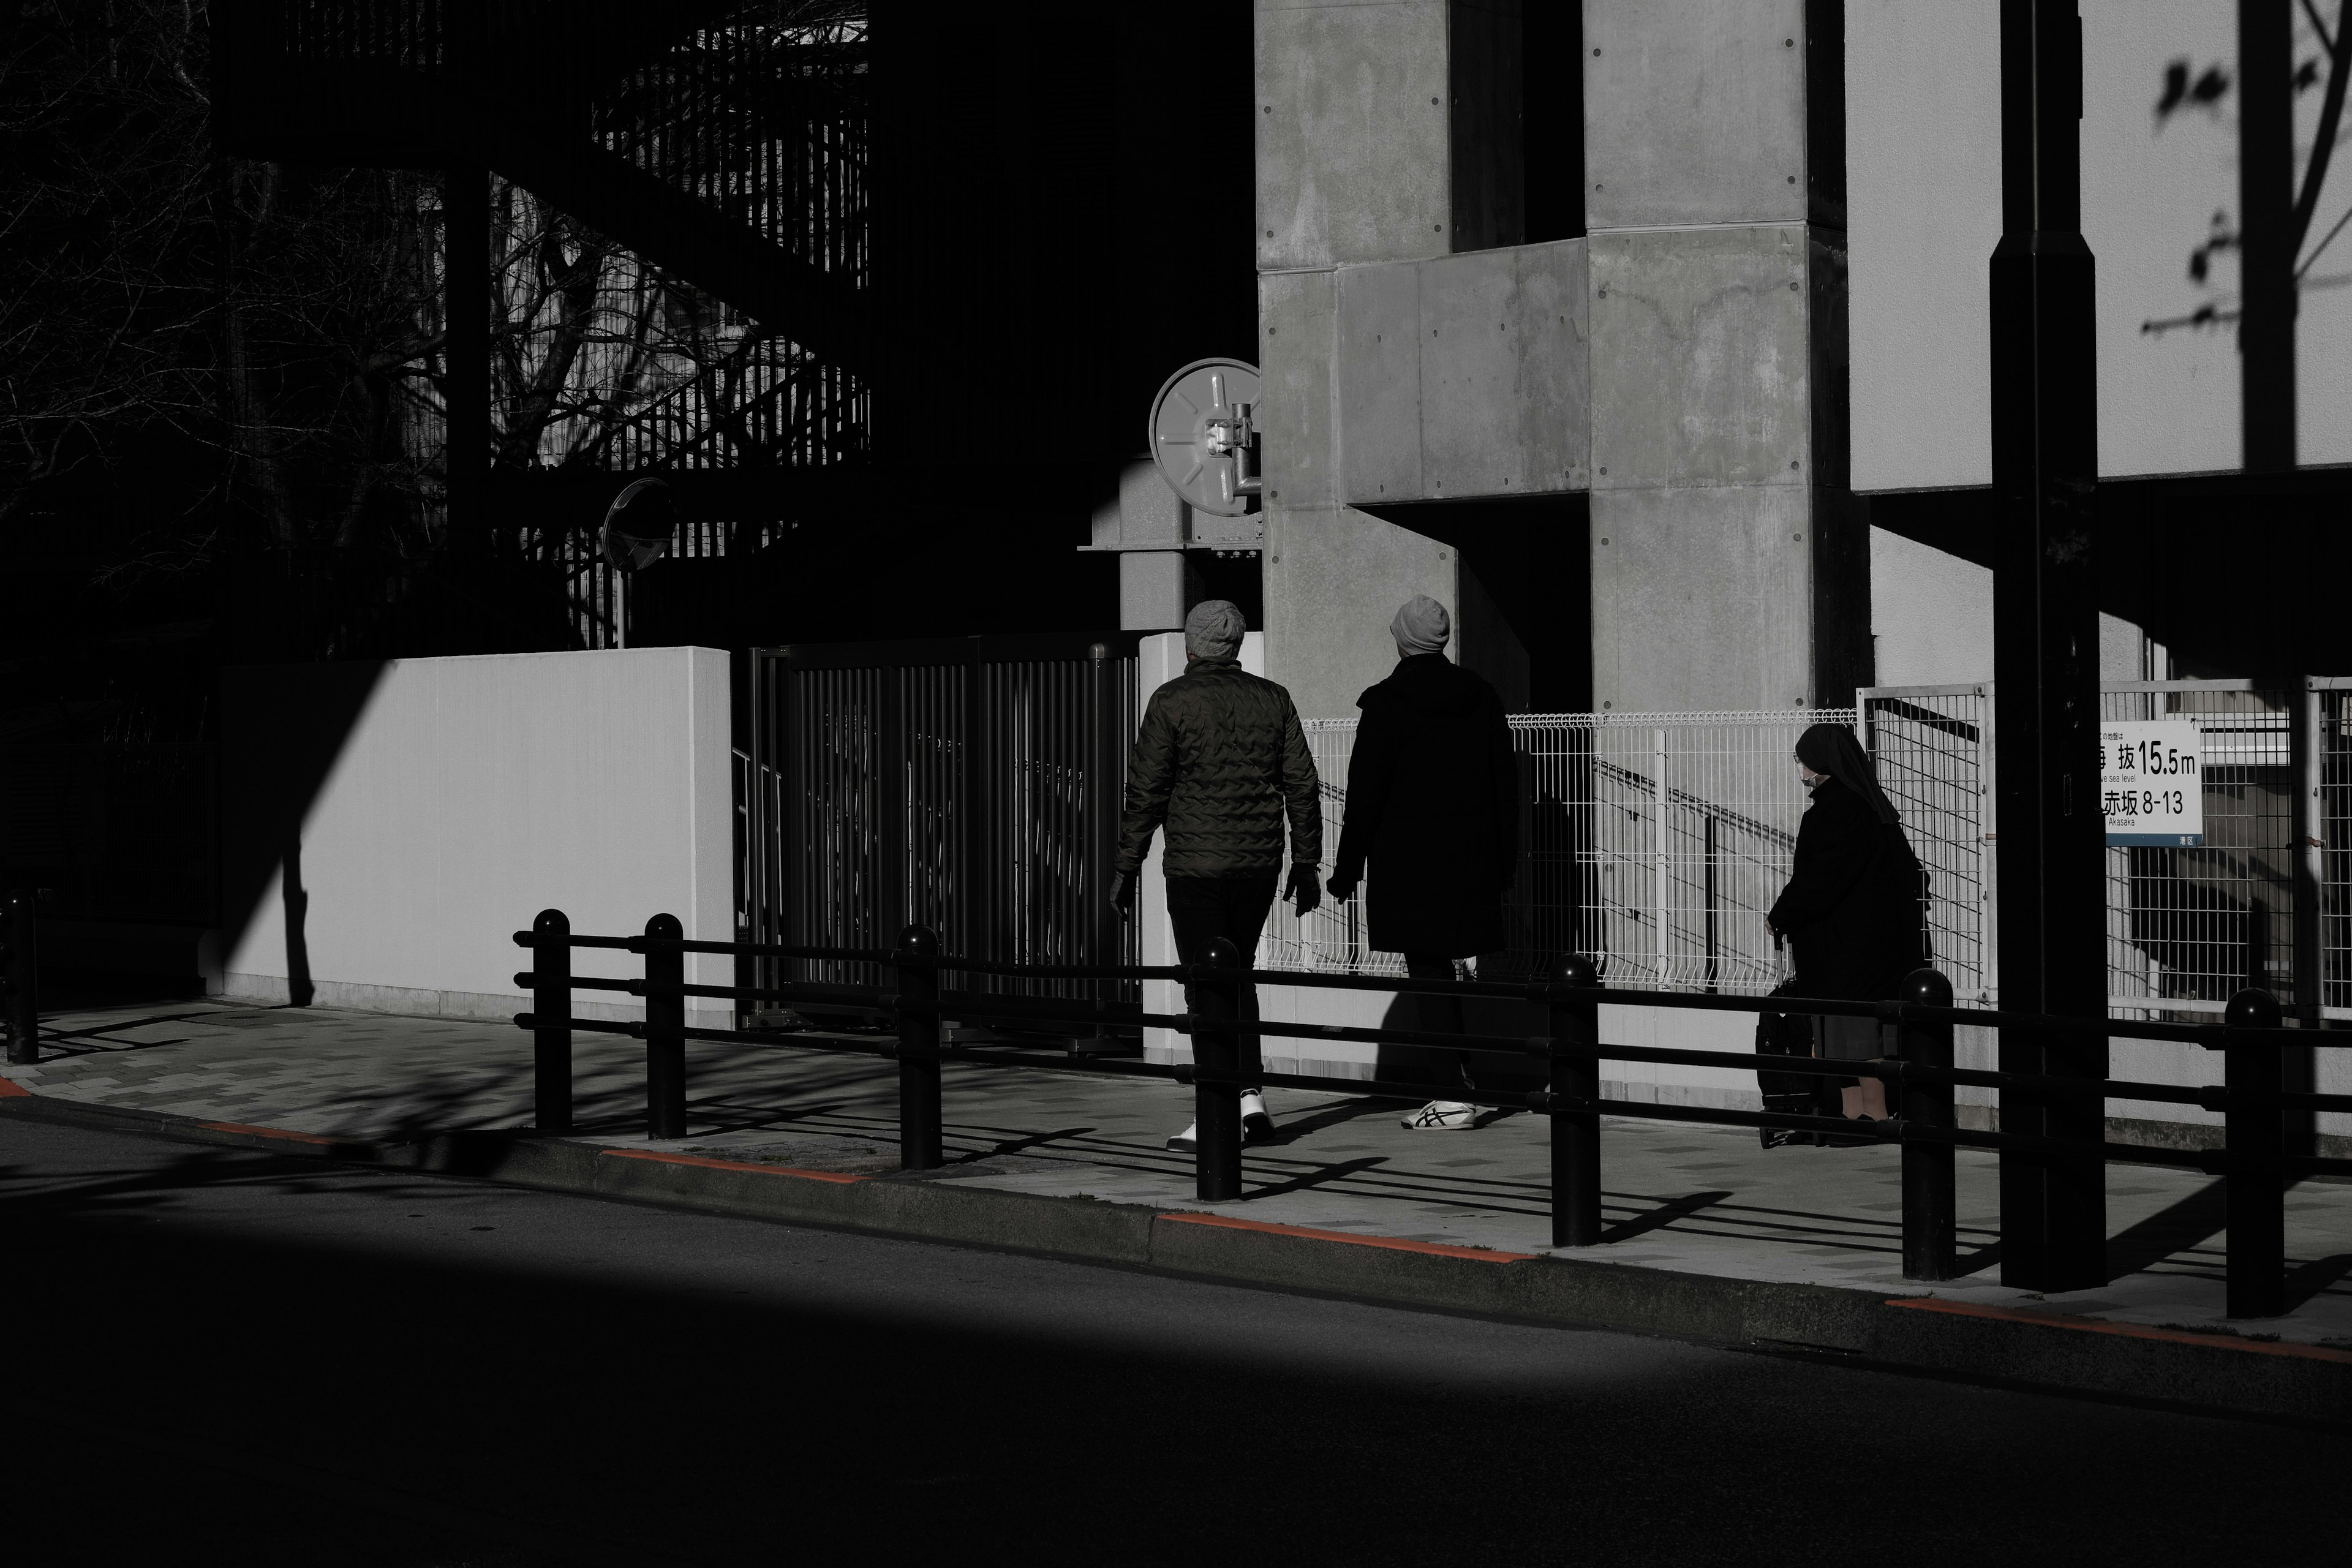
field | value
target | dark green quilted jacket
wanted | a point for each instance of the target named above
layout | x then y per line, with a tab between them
1221	760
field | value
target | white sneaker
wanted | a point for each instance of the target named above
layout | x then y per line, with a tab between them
1442	1116
1257	1123
1257	1126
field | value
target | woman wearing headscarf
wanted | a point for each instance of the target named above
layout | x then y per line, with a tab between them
1852	905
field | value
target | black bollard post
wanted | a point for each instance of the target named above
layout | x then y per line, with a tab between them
20	980
2255	1189
550	1027
918	964
1216	1088
664	1031
1574	1013
1930	1209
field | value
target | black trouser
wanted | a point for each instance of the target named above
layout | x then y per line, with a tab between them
1440	1014
1203	909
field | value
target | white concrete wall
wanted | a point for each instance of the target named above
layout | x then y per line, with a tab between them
1931	619
1923	163
1923	183
1931	614
473	792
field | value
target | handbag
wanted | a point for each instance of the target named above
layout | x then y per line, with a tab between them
1789	1093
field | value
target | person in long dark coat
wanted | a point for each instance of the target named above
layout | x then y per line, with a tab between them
1853	905
1432	808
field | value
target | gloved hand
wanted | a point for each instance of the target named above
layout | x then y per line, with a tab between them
1122	895
1341	889
1305	889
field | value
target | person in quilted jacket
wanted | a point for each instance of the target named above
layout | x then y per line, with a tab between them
1220	765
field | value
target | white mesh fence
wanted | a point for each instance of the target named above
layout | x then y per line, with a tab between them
1655	842
1930	746
2186	926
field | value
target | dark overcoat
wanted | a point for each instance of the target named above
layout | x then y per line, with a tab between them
1432	805
1853	905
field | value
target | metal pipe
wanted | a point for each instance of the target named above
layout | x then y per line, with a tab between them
1662	890
2308	856
1217	1105
918	975
2255	1187
1930	1205
550	1006
20	976
2050	853
1575	1023
664	1031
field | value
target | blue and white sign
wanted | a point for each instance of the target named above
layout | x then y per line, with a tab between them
2151	783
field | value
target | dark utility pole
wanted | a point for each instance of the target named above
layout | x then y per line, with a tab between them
466	315
2266	230
2046	651
466	284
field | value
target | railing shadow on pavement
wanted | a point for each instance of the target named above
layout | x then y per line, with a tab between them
2255	1163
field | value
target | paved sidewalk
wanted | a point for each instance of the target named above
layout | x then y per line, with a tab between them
1682	1197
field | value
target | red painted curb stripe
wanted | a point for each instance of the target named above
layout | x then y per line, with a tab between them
660	1158
267	1132
1395	1244
2129	1330
11	1090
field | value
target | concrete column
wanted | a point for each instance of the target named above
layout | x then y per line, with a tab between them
1386	132
1149	526
1727	569
1334	575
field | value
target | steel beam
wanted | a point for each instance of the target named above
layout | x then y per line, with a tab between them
2046	649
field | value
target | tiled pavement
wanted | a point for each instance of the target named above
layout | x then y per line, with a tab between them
1678	1196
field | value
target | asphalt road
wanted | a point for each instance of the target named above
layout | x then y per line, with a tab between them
219	1356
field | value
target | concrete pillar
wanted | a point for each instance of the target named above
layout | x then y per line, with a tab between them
1334	575
1148	527
1386	132
1727	569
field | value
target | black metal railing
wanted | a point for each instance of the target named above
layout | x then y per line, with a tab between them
1919	1076
20	975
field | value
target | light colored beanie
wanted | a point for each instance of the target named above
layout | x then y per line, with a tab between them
1422	626
1214	628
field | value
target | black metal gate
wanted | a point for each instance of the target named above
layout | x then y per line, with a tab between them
971	784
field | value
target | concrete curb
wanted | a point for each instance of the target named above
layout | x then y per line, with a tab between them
2047	1349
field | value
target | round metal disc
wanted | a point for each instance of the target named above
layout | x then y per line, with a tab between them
1179	440
638	524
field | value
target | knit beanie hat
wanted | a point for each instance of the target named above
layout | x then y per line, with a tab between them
1422	626
1213	629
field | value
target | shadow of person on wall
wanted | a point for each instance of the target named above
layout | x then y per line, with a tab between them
1442	1070
298	990
283	728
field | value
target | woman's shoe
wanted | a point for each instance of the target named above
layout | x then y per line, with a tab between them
1257	1123
1843	1141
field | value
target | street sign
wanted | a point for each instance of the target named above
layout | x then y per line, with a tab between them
2151	783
